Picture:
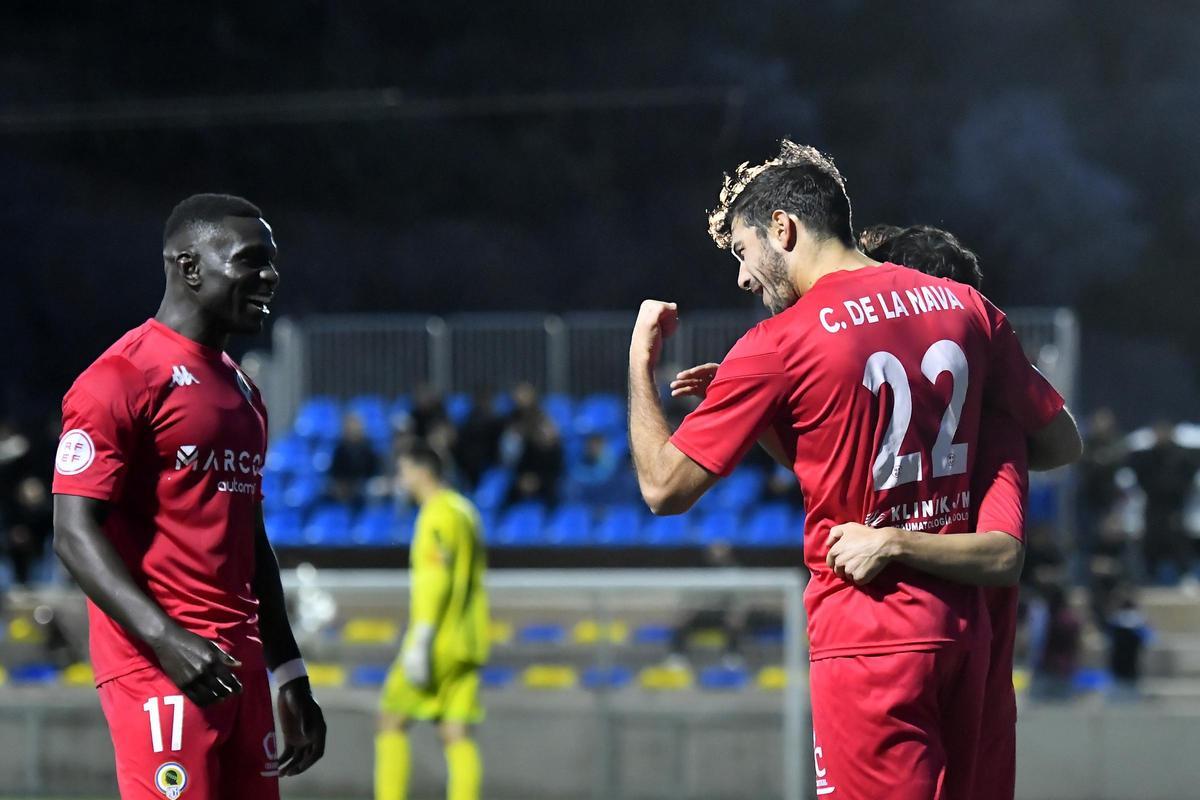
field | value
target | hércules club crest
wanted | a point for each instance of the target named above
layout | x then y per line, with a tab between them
171	779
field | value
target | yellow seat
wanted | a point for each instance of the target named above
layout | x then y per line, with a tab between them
589	631
79	674
3	675
665	678
1021	679
772	678
370	630
709	638
549	676
25	631
500	631
326	675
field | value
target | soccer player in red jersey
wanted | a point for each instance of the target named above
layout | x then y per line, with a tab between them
158	516
992	558
872	380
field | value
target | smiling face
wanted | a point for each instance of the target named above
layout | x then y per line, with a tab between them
233	276
762	268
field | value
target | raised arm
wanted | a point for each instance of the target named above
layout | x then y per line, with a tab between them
670	481
201	669
300	716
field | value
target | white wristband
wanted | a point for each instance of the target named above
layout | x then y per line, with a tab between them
289	671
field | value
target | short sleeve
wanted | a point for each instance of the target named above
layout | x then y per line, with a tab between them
742	401
1015	387
1001	477
101	415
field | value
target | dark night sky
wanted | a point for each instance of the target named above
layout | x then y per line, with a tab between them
1057	138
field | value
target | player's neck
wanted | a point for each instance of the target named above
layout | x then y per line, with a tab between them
424	492
830	257
189	323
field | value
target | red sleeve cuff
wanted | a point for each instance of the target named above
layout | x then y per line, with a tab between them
693	452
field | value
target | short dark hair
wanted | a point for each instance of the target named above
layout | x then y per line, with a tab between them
207	209
801	180
872	238
933	251
420	453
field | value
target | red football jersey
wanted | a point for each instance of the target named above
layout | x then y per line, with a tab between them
173	436
875	380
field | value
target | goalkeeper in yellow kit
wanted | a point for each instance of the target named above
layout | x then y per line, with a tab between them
436	676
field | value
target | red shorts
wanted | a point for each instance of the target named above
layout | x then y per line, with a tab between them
168	747
996	768
901	726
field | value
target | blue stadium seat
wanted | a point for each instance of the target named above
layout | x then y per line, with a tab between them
770	526
492	489
673	531
399	410
723	678
600	413
322	456
542	633
28	674
719	526
521	526
769	635
1042	506
303	491
370	676
288	456
458	407
653	634
383	526
285	528
318	418
619	527
561	409
570	526
329	526
497	677
741	489
273	487
374	414
607	677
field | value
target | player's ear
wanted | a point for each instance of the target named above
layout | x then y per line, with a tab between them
188	264
784	229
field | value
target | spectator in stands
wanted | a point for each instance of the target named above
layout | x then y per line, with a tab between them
1128	634
354	464
1165	472
30	522
477	448
595	474
1055	637
781	487
531	445
428	410
1104	454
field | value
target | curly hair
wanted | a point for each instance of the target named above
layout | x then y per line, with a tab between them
933	251
801	180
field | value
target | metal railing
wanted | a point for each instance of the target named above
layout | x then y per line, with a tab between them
576	353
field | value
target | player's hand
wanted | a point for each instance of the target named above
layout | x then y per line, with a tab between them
656	321
857	553
694	381
416	655
303	727
198	666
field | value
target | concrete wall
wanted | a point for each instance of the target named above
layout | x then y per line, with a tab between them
539	746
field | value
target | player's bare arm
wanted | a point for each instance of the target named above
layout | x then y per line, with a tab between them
1055	445
670	481
858	553
694	381
300	717
201	669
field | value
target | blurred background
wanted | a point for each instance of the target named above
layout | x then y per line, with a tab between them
470	202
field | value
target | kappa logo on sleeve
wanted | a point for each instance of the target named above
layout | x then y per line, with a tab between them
181	377
76	452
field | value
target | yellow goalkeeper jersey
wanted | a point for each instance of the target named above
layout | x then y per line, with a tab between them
448	561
